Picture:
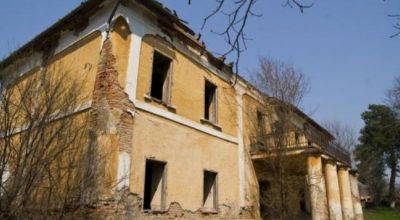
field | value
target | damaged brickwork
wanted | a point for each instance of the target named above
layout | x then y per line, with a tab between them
111	127
128	205
109	96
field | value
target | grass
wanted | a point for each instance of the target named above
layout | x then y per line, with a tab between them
381	213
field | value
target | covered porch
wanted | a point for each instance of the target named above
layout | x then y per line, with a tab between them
313	177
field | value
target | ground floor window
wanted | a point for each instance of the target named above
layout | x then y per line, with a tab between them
264	190
210	191
154	186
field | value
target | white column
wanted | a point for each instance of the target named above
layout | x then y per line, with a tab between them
345	193
357	208
333	191
316	186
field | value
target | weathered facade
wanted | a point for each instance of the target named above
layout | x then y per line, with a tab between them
174	129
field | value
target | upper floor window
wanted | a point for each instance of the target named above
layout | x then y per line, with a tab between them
210	102
161	77
260	127
297	138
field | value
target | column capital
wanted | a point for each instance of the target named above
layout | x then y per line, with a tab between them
313	154
343	167
330	161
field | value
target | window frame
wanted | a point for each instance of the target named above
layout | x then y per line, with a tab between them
164	192
168	78
214	209
214	117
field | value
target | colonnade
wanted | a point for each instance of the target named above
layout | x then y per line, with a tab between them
333	190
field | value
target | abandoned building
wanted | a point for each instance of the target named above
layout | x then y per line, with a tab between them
176	127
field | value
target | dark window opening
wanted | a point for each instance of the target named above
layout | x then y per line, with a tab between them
210	191
160	82
210	102
154	186
297	138
264	194
260	127
303	204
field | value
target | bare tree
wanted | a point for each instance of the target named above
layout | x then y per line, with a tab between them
283	82
344	134
284	88
393	95
43	124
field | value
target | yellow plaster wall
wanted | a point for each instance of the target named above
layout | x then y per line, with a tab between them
188	153
80	61
77	63
121	39
250	106
188	83
76	67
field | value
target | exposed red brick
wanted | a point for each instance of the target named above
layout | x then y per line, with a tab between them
109	97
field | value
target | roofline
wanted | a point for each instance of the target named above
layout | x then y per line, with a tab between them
313	122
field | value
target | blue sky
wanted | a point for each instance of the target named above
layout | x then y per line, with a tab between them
342	45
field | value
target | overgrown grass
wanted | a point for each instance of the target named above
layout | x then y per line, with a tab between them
381	213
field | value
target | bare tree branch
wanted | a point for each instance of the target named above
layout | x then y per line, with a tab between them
393	95
238	14
282	81
344	134
396	25
43	137
298	4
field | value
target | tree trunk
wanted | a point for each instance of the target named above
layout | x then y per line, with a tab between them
392	183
